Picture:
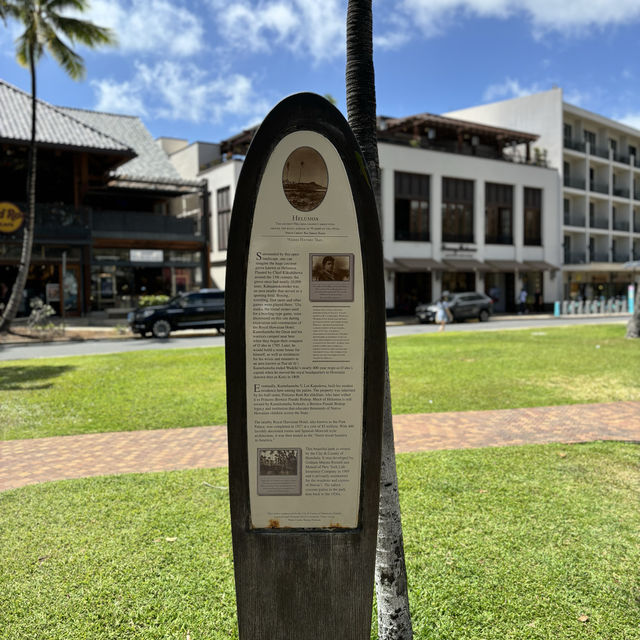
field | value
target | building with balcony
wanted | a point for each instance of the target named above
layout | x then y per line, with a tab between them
599	161
464	207
110	207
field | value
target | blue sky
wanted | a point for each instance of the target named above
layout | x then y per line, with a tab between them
206	69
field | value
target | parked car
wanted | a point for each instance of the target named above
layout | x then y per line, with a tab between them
202	309
463	306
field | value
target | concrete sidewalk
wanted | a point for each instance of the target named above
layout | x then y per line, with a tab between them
24	462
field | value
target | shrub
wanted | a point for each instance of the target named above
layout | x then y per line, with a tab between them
149	301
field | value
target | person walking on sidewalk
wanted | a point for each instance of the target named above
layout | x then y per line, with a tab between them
523	301
443	314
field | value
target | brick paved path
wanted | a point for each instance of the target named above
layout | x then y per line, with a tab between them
24	462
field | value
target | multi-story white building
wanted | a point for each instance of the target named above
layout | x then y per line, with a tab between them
464	207
599	161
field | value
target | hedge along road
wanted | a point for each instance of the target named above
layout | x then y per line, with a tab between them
192	339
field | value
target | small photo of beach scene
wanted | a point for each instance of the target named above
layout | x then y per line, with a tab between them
305	179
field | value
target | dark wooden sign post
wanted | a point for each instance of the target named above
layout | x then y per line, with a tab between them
305	378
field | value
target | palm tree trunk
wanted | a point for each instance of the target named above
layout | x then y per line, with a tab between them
394	618
11	310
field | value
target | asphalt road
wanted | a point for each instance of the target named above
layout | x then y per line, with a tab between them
184	340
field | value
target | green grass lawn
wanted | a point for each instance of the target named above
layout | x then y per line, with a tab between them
429	372
517	543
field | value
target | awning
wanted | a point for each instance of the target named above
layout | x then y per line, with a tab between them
389	265
417	264
505	265
538	265
466	265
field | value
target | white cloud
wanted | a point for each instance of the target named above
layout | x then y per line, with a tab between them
577	97
631	119
181	92
571	17
115	97
510	88
149	25
513	88
314	28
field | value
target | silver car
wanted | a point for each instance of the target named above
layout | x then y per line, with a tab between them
463	306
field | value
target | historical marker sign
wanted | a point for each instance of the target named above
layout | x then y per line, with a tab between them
305	374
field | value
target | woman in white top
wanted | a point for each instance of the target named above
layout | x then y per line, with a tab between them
442	312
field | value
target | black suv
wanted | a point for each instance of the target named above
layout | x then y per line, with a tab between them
463	306
202	309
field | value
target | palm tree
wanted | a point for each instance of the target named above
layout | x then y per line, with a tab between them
394	619
46	27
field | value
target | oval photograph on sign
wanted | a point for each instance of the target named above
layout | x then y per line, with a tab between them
305	179
11	218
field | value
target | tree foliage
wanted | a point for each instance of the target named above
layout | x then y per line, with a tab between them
49	28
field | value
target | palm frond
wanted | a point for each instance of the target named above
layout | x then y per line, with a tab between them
46	29
82	31
66	57
28	43
65	5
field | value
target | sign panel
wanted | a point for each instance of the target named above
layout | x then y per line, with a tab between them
146	255
11	218
305	354
52	292
305	378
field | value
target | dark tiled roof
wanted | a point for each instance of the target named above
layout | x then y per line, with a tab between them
427	120
150	163
55	127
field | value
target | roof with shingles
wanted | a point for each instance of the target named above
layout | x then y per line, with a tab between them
151	162
81	129
54	127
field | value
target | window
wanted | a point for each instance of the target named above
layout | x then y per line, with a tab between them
498	213
568	132
223	207
632	151
457	210
590	137
411	215
532	216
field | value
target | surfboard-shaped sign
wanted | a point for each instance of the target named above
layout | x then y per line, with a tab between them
305	377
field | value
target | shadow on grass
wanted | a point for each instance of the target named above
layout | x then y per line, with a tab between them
27	378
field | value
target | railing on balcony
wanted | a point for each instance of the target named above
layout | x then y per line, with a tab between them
575	257
636	254
621	256
65	222
499	239
600	152
574	219
621	225
576	145
60	220
599	256
574	183
139	222
598	222
598	187
636	226
618	157
458	237
621	192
